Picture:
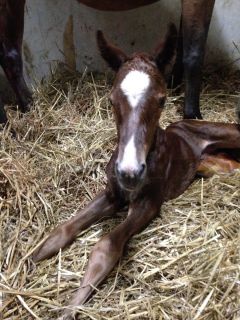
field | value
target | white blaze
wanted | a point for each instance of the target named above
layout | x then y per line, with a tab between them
129	160
134	86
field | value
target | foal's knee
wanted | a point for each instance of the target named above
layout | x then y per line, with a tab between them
105	246
107	251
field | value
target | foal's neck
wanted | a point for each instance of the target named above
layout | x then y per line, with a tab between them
157	140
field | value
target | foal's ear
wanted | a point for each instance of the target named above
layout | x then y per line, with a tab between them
114	56
165	53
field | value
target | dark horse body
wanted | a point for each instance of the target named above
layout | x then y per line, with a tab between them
149	165
195	19
11	35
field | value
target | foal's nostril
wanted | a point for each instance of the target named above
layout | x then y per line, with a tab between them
142	169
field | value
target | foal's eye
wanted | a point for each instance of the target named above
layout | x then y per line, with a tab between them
161	101
110	101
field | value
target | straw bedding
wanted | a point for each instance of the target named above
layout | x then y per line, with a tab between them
184	265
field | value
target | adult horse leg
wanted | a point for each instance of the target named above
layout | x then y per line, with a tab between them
196	16
11	51
11	62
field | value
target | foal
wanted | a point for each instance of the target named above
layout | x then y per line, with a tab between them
149	165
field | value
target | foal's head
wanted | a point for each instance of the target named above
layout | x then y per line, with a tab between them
137	97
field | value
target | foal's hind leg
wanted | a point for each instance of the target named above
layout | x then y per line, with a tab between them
196	16
107	252
63	235
217	164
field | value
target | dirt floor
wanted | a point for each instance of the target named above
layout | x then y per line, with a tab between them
185	265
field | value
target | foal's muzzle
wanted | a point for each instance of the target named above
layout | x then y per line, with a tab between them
130	179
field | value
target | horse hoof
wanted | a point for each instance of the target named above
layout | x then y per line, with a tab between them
193	115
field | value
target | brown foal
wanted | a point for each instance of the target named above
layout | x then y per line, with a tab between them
149	165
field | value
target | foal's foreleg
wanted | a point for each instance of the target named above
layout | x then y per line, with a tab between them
109	250
63	235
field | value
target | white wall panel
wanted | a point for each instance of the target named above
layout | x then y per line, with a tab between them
60	30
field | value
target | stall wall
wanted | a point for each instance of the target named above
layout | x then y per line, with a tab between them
60	30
